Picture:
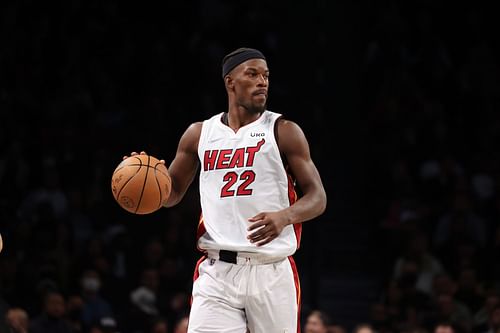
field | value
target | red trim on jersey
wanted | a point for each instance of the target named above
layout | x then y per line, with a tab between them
196	273
297	289
200	230
292	198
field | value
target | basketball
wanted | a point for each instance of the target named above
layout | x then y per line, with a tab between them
141	184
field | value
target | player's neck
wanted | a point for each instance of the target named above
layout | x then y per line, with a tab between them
238	117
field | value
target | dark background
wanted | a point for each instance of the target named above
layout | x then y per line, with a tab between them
399	102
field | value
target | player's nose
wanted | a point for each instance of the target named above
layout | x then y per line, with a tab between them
263	81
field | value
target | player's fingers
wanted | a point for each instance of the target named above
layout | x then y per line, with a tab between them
143	152
133	153
124	157
256	225
257	217
259	238
264	231
162	161
265	241
255	235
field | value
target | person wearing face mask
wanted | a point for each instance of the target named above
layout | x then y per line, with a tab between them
95	307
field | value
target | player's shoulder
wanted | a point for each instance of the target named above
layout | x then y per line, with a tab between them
287	126
196	125
193	132
195	128
289	135
279	120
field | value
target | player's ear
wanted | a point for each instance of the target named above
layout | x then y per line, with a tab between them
228	81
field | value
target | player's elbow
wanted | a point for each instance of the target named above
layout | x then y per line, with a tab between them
322	201
173	199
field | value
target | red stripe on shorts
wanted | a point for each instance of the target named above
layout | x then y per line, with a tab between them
297	289
196	273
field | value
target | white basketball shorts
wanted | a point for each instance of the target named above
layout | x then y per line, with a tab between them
231	298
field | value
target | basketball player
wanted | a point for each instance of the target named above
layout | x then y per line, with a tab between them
250	227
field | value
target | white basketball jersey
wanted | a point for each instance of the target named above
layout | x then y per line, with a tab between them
242	174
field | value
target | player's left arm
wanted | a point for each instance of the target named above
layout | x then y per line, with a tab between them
293	144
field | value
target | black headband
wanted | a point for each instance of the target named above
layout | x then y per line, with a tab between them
237	58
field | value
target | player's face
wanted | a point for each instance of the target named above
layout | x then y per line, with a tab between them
251	83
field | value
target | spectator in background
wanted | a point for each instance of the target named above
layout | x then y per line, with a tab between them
158	325
427	265
93	255
411	297
153	253
459	227
49	192
18	320
181	326
105	325
74	312
481	317
81	225
144	299
469	290
336	328
443	327
95	307
447	309
363	328
317	322
179	304
385	315
494	320
52	319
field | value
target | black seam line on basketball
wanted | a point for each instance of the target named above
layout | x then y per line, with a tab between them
159	188
118	169
130	178
142	191
163	173
147	166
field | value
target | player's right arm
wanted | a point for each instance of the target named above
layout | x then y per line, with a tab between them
184	166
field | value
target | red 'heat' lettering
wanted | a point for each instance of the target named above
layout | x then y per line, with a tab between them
224	156
209	159
251	152
231	158
238	159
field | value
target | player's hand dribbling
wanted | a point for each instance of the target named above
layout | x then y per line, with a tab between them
266	226
142	153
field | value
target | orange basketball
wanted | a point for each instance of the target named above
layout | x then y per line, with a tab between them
141	184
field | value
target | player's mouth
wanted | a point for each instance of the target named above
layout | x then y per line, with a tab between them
260	93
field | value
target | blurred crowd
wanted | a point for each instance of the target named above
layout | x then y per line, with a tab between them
432	96
84	84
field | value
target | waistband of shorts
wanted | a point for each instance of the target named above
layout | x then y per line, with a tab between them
242	258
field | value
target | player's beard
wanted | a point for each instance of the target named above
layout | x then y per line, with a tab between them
254	108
